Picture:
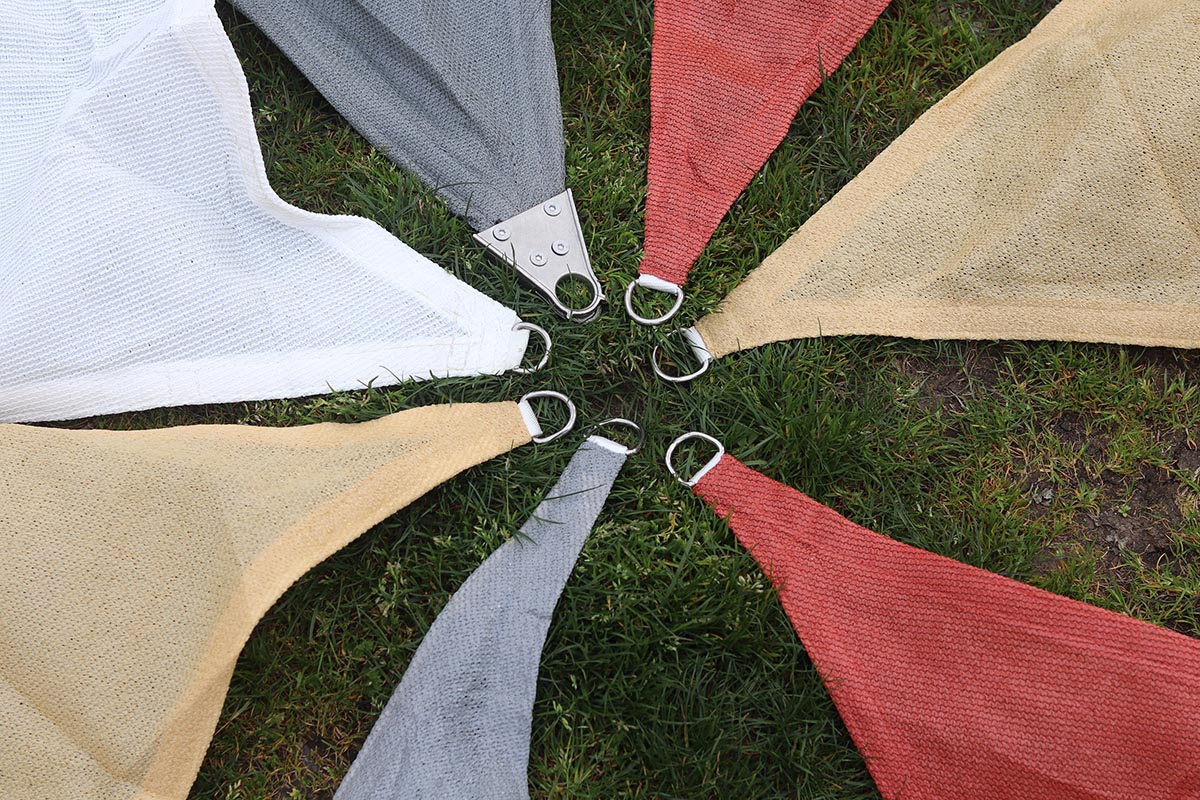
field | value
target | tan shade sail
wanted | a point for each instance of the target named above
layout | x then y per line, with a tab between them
137	564
1054	195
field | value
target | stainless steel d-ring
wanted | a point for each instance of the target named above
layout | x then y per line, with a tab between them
657	285
540	331
702	355
641	434
712	462
535	427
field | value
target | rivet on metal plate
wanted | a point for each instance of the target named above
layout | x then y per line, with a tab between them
545	245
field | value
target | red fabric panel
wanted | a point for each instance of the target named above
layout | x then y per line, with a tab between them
958	683
726	80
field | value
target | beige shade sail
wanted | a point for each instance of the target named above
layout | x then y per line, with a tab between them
136	564
1054	195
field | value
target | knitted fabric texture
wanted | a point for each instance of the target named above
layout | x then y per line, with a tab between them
144	259
957	683
726	80
1054	195
137	564
458	726
463	93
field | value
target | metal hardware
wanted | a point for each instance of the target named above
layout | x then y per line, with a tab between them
641	434
712	462
701	352
545	246
658	285
535	427
540	331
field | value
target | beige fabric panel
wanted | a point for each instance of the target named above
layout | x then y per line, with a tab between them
1054	195
137	564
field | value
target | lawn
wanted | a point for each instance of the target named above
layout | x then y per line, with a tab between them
670	670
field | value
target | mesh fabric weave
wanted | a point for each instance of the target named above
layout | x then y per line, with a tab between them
458	725
144	259
1054	195
726	80
136	565
958	683
464	93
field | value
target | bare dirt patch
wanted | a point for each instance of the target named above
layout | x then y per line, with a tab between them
1167	364
946	384
313	759
1187	459
1137	514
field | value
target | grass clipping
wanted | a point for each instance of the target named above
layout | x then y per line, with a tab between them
137	564
1054	195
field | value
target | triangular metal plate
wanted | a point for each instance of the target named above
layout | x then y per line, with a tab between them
545	245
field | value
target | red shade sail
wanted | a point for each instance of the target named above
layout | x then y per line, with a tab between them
726	79
959	683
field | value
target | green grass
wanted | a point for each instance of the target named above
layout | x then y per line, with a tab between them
670	670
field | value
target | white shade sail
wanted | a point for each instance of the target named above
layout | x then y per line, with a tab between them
144	259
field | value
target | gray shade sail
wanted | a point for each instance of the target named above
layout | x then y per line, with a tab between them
464	93
458	726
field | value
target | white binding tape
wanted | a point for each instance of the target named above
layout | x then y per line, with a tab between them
531	420
656	283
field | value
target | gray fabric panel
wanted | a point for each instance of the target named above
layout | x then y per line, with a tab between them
458	726
464	93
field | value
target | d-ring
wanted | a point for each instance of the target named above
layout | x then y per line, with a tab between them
628	423
531	420
702	355
540	331
712	462
658	285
